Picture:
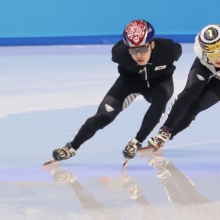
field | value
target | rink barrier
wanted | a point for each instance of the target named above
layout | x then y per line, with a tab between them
77	40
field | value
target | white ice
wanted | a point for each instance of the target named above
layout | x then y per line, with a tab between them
46	94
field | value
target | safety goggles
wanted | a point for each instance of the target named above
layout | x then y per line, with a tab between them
214	55
142	50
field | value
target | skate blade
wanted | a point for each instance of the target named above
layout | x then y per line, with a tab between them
148	151
50	162
126	160
125	163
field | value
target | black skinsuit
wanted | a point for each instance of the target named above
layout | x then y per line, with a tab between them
153	81
200	93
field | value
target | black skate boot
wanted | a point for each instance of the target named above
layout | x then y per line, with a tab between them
64	153
132	148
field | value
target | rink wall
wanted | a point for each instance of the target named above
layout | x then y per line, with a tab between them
54	22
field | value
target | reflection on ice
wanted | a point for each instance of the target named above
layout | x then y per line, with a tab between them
181	192
179	188
180	183
114	197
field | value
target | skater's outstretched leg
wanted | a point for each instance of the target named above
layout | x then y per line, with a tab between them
110	107
196	83
105	115
208	97
165	133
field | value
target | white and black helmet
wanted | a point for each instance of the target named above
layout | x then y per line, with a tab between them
209	38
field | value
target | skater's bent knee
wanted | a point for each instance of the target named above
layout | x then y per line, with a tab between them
162	94
101	120
97	122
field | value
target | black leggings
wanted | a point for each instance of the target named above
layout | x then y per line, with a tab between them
119	97
200	93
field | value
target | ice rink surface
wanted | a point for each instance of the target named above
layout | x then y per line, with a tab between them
46	94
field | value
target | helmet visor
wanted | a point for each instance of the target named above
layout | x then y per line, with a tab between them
142	50
214	55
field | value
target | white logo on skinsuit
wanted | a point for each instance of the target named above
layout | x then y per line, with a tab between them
109	108
160	67
200	77
141	71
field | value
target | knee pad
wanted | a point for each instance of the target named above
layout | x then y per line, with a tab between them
107	112
99	121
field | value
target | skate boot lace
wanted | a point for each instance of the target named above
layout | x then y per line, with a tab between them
131	149
163	136
65	152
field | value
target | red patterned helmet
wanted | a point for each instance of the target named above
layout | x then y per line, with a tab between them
138	33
